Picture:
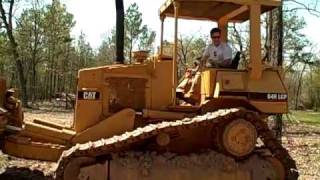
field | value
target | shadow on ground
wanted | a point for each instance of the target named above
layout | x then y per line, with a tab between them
15	173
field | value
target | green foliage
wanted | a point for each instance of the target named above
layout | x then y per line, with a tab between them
4	54
238	38
312	89
308	117
51	57
85	53
190	48
133	27
197	47
295	41
106	52
147	38
299	60
136	34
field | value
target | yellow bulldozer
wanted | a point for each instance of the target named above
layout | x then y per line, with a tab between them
130	125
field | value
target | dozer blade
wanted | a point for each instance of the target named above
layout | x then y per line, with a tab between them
25	147
39	140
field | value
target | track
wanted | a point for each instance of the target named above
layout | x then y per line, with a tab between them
105	147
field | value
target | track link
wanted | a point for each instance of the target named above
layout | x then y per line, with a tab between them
120	143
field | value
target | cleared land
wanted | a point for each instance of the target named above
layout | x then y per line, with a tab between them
301	138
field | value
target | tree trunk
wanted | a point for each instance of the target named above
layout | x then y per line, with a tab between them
266	42
317	100
23	83
34	57
296	104
270	36
50	78
279	121
13	45
130	51
34	82
280	36
239	41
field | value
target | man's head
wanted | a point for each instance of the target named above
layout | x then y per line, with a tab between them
188	73
215	34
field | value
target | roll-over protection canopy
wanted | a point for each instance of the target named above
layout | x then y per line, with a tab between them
215	10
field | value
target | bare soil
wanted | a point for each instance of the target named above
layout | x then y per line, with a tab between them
302	141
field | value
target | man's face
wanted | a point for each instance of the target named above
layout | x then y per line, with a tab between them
188	73
216	38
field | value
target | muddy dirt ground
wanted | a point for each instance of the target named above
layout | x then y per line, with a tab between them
302	141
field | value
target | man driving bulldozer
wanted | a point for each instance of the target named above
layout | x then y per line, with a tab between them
217	54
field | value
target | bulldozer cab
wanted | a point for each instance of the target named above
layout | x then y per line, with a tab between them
217	82
222	12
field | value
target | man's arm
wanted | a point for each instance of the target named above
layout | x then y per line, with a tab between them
204	58
227	56
203	62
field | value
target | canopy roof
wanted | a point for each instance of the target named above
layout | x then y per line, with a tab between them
234	10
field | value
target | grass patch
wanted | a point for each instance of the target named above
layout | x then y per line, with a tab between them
308	117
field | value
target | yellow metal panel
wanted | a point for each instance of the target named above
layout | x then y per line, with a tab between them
232	81
167	115
240	85
205	86
88	113
161	94
116	124
16	146
208	79
48	123
134	71
48	131
234	13
43	138
90	78
269	82
271	107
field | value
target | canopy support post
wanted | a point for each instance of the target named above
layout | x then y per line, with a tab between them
161	35
255	42
223	26
175	52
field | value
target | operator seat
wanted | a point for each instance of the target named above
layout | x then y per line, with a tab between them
235	61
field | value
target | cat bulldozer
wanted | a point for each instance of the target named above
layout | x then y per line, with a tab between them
129	123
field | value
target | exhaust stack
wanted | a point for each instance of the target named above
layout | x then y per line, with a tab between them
119	32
